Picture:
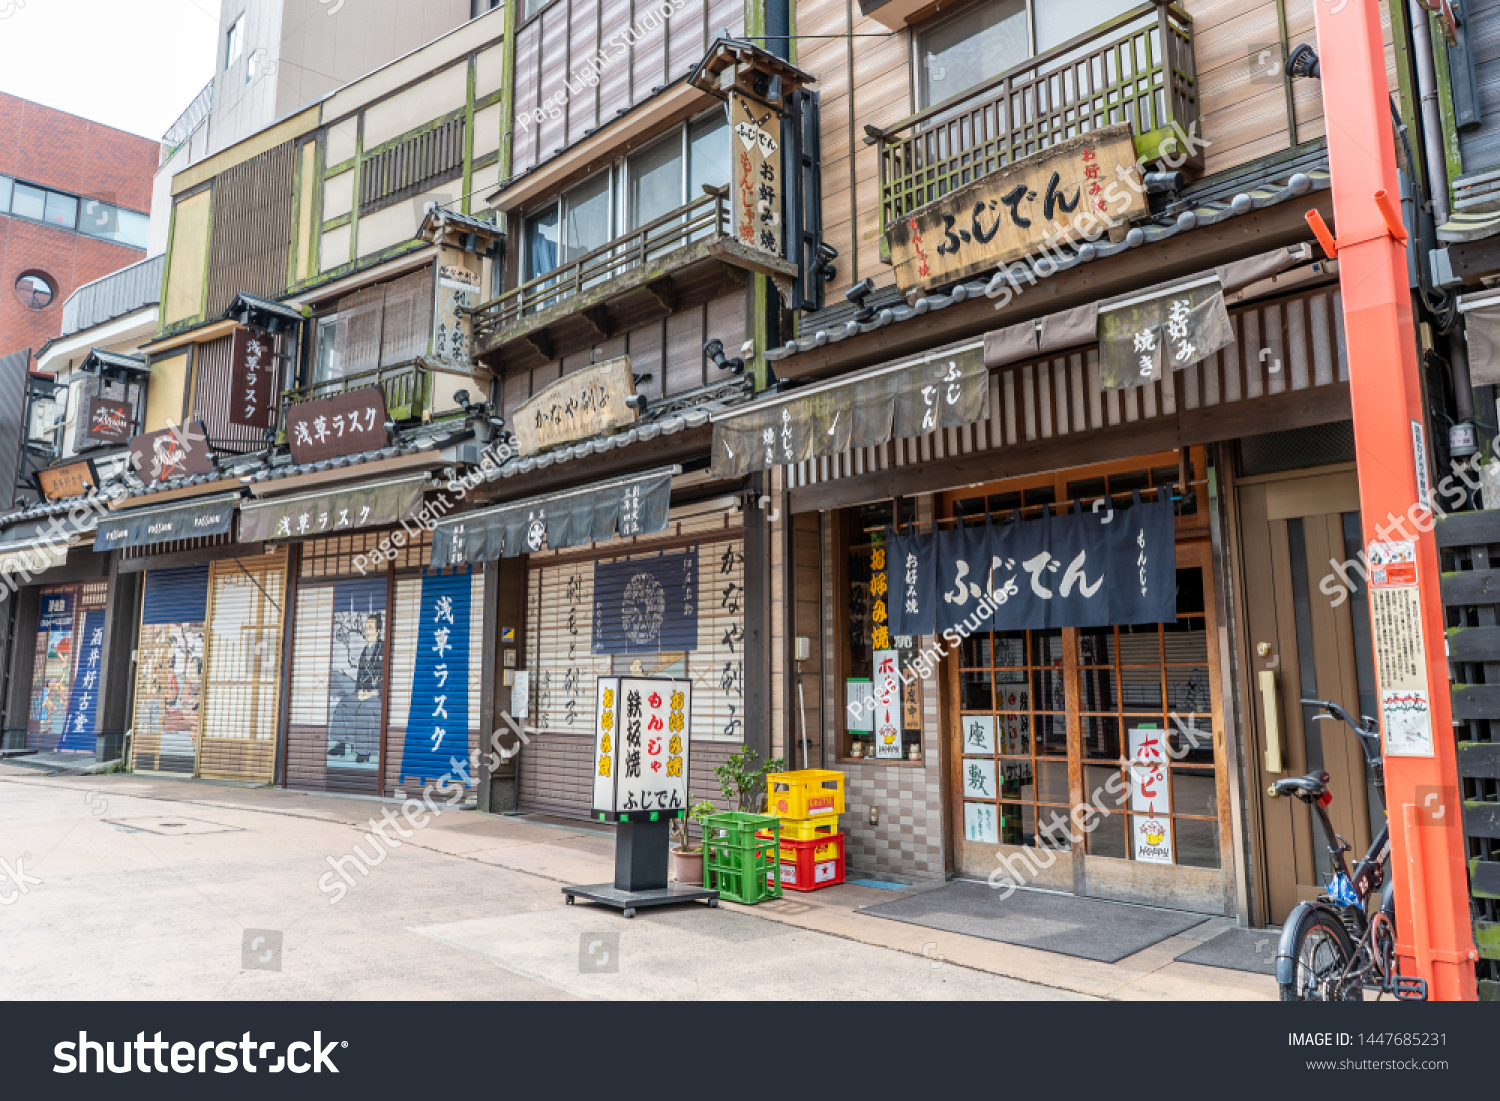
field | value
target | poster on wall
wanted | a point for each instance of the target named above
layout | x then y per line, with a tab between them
1400	655
861	703
53	677
978	734
981	823
641	744
1151	837
437	724
1150	790
170	688
356	674
888	719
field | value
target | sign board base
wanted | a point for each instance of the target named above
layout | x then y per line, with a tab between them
641	872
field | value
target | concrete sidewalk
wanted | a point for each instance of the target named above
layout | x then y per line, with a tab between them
133	906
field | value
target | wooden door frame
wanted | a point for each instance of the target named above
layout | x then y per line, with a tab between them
1251	740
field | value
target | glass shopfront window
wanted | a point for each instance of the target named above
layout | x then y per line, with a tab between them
1119	719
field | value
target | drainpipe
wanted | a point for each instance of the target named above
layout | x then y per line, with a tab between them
1432	123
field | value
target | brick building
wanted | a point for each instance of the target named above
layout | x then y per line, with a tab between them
74	197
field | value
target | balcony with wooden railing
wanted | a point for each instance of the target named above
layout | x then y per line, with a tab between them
682	258
1136	68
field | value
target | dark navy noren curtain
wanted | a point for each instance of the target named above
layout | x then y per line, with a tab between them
1081	569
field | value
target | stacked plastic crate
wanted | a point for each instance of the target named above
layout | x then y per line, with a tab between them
811	848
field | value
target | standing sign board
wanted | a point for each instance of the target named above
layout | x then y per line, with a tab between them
641	741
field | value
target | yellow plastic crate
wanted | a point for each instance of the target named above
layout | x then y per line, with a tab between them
811	793
806	829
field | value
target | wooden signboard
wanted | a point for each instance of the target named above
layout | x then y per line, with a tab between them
757	173
345	424
171	453
457	292
109	420
1069	193
62	483
581	404
252	387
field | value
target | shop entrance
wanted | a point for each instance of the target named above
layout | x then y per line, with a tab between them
1307	636
1048	722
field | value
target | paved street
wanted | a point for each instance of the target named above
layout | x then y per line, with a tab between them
147	889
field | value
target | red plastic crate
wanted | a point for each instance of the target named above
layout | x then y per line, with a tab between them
809	865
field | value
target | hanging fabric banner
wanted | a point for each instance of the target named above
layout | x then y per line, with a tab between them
1091	569
628	506
194	520
942	390
347	508
1172	330
437	724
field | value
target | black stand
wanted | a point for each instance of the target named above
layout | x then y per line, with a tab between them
641	872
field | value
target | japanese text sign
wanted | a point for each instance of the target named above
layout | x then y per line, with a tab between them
1070	191
1092	569
641	736
252	379
581	404
887	704
756	153
61	483
1137	340
346	424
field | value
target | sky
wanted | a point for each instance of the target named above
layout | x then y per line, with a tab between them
131	64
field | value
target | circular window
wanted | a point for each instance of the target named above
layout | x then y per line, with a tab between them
35	291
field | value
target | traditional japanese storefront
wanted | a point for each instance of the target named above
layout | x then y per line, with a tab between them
937	558
385	655
617	581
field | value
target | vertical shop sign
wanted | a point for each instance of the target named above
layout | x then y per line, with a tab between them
437	726
1150	796
252	366
83	704
757	174
731	596
887	704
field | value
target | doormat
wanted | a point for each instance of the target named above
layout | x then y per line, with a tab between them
1238	950
1088	928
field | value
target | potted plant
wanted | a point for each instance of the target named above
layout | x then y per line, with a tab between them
744	782
687	862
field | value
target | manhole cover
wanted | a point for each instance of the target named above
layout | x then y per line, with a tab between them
171	825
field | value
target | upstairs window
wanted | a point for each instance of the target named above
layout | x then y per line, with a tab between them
645	186
234	42
983	40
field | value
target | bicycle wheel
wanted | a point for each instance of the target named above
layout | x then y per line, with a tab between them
1322	951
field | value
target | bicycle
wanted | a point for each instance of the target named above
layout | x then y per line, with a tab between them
1330	950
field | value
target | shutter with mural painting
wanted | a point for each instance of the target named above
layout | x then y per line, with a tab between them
169	671
437	665
336	710
672	613
242	669
66	670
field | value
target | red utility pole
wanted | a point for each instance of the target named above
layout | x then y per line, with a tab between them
1434	932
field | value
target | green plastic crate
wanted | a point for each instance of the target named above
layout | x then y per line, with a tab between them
740	866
